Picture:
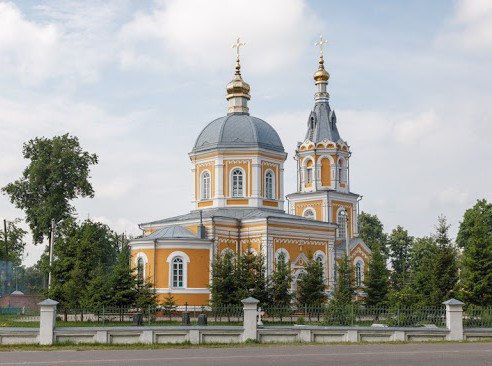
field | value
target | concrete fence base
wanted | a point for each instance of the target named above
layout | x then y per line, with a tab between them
250	331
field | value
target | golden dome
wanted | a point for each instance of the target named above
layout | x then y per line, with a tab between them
237	86
321	74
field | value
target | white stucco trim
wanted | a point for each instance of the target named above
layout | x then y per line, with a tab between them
286	254
186	260
245	182
145	261
182	290
309	208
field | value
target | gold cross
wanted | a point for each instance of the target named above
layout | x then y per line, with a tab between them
320	44
237	45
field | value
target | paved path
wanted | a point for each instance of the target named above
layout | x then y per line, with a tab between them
449	354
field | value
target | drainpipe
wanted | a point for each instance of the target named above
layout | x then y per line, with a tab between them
155	249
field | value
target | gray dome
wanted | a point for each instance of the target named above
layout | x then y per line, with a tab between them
238	130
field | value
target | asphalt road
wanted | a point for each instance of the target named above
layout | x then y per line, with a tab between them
449	354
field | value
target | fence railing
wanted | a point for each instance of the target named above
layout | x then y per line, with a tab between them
18	317
477	317
121	316
355	316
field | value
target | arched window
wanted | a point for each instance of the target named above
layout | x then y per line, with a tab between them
358	274
341	175
342	221
237	183
269	185
309	172
319	259
177	272
205	185
140	269
309	214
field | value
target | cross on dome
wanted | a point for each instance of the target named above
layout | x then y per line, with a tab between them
320	44
237	46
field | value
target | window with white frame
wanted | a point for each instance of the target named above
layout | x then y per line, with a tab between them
269	184
359	274
205	185
140	269
309	174
237	183
285	255
309	214
319	259
177	272
342	221
341	176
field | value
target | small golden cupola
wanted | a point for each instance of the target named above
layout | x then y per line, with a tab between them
321	76
238	89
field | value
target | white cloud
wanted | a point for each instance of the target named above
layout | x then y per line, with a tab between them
470	26
196	33
73	40
27	50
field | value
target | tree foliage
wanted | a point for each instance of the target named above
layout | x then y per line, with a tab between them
344	287
371	232
58	172
311	286
475	238
377	279
281	282
399	245
446	265
11	251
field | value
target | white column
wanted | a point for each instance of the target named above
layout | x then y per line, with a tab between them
331	265
219	181
47	321
454	319
256	182
250	310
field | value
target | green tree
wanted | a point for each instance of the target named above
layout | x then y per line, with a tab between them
422	281
252	279
281	282
79	251
122	281
371	232
58	172
377	279
97	292
475	238
224	285
311	286
446	266
399	244
344	288
11	250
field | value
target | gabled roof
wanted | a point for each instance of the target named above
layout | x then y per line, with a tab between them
171	232
232	213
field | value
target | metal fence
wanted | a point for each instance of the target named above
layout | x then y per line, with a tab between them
124	316
18	317
477	317
355	316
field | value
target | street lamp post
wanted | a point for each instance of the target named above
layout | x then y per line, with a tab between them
52	242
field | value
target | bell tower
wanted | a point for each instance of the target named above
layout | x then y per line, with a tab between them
323	179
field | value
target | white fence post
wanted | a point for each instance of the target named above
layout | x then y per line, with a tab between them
47	320
454	319
250	310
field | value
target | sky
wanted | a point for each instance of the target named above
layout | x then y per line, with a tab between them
137	82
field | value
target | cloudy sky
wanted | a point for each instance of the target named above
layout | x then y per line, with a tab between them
137	81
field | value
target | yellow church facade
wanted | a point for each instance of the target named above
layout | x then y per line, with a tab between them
239	203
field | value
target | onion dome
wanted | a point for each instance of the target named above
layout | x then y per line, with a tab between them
321	74
238	89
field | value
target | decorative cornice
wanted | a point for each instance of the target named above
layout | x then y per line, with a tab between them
298	241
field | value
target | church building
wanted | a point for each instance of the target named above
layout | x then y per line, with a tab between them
238	201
